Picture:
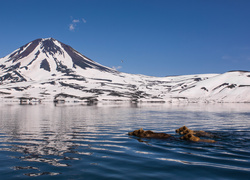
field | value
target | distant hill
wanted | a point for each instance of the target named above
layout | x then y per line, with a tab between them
49	70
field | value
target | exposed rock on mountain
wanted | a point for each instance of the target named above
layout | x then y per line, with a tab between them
48	70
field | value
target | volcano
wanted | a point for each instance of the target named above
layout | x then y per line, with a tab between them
49	70
43	58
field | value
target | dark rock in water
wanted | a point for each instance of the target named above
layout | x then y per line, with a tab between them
149	134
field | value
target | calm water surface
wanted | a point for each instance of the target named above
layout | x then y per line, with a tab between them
91	142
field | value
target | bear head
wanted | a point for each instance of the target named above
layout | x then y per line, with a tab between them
187	131
190	137
181	129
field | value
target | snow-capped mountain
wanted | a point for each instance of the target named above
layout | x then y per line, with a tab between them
48	70
43	58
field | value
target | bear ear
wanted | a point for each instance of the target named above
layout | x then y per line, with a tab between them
189	135
184	127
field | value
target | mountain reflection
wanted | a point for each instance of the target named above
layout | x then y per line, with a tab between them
72	142
54	137
50	147
54	148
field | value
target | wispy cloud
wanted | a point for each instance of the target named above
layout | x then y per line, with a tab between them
75	22
84	20
116	67
71	27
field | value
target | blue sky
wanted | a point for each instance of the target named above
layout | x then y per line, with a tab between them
152	37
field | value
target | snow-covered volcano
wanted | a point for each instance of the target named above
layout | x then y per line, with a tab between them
48	70
43	58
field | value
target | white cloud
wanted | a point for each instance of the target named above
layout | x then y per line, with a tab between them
74	23
71	27
116	67
84	20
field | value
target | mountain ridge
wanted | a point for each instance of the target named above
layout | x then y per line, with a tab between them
49	70
51	47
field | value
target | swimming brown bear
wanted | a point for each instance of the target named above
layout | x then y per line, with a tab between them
185	130
191	137
181	129
149	134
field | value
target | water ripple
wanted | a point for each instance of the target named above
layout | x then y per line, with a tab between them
92	143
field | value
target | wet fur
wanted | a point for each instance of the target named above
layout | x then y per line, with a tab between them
184	130
188	134
191	137
149	134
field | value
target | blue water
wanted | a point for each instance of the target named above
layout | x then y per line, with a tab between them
91	142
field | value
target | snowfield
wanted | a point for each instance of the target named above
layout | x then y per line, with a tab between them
48	70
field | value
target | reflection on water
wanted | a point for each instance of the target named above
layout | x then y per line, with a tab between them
75	142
